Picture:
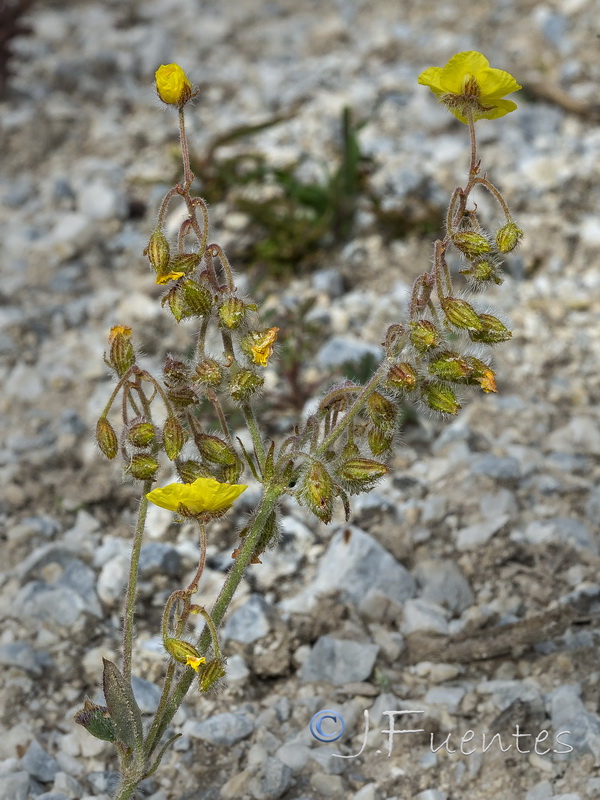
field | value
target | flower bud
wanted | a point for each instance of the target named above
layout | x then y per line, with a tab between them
172	84
244	384
209	372
441	398
182	396
184	263
232	313
215	450
361	473
449	366
143	467
483	270
424	335
402	376
158	252
508	237
470	243
379	442
107	438
317	491
141	434
461	314
492	332
175	372
230	473
96	720
190	470
210	673
173	437
197	298
173	298
184	653
382	412
122	355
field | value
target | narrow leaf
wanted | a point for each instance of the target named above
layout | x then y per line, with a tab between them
123	709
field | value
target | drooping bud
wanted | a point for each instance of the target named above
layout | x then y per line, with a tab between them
96	720
508	237
449	366
215	450
107	438
173	298
461	314
197	298
470	243
158	252
122	355
182	396
232	313
230	473
424	335
382	412
143	467
317	490
209	372
244	384
172	84
141	434
173	437
492	331
360	474
379	442
184	653
184	263
440	397
210	673
402	376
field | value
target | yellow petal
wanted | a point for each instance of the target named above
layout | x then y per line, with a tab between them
500	108
172	84
432	77
496	83
459	67
202	496
169	276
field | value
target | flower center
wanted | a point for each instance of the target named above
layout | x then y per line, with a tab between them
470	87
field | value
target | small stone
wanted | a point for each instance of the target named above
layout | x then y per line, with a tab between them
15	786
327	785
249	622
499	468
39	764
295	755
147	694
447	696
158	558
113	579
23	656
431	794
338	661
221	729
272	781
479	534
421	615
340	350
442	582
368	792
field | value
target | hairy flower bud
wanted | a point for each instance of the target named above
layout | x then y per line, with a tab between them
182	396
122	355
141	434
508	237
232	313
483	270
461	314
317	491
184	653
470	243
210	673
184	263
481	373
209	372
143	467
244	384
173	437
492	331
449	366
440	397
190	470
106	438
158	252
378	441
215	450
382	412
424	335
361	473
175	372
197	298
402	376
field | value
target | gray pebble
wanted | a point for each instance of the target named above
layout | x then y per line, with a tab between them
341	350
39	764
442	582
272	781
14	786
249	622
221	729
339	661
158	558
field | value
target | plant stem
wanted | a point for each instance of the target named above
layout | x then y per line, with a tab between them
132	583
234	577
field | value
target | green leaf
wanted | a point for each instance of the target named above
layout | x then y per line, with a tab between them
123	709
96	720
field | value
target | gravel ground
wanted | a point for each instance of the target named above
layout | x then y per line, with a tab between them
490	520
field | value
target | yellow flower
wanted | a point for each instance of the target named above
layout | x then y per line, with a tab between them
194	662
172	84
467	82
184	652
203	496
119	330
259	345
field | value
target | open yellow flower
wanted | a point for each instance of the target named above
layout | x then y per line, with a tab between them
172	84
468	83
203	496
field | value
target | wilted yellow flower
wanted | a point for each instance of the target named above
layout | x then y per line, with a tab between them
468	82
172	84
168	276
119	330
259	345
203	496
